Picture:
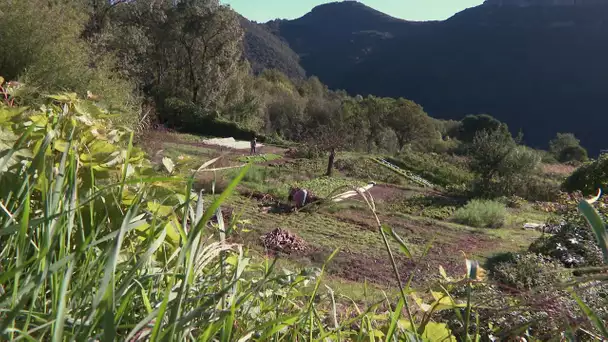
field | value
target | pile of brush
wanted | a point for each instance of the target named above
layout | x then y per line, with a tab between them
280	240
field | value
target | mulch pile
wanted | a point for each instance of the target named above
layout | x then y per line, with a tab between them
281	240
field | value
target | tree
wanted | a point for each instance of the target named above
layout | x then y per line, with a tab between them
566	147
473	124
42	46
410	123
375	112
190	50
500	163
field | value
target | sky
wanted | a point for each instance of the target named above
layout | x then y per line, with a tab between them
264	10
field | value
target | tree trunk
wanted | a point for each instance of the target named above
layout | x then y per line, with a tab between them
330	162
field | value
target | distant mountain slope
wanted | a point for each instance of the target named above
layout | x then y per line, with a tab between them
539	65
265	50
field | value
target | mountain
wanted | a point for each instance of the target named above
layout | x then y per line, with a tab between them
539	65
264	50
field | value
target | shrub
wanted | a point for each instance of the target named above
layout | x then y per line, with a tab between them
566	148
482	214
573	245
527	271
434	207
474	124
188	117
307	151
501	164
589	177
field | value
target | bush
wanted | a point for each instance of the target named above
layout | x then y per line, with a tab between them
474	124
574	245
527	271
566	148
501	164
307	151
589	177
188	117
482	214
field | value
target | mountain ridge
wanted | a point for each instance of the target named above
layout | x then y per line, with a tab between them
539	68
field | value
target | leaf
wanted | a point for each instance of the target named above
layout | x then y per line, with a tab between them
433	331
399	240
395	320
169	165
443	273
60	145
1	81
598	226
591	315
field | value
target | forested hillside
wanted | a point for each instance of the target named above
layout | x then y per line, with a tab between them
531	66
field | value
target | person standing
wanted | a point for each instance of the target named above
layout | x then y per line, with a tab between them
254	144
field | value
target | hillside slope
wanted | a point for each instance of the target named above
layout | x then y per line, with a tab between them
539	68
265	50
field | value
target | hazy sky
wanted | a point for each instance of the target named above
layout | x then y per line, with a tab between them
264	10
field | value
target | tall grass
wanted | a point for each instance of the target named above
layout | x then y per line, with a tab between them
94	245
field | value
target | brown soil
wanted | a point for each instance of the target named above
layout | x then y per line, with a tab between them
388	192
446	250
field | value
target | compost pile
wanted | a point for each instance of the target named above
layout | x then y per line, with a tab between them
281	240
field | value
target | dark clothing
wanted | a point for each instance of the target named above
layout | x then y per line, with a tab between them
253	146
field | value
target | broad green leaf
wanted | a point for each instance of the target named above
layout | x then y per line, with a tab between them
433	331
159	210
173	233
60	145
598	226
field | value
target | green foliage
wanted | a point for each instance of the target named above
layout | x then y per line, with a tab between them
434	207
502	166
438	169
42	46
528	271
189	117
472	125
573	245
267	51
482	214
307	151
189	50
589	177
367	170
567	148
411	124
